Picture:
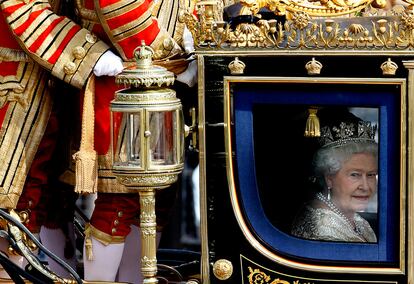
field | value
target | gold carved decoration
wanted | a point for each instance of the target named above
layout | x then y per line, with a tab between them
313	67
389	67
313	8
257	276
159	180
237	67
302	31
222	269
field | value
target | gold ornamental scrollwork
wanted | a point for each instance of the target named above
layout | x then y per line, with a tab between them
325	8
148	262
301	30
257	276
149	180
148	232
147	217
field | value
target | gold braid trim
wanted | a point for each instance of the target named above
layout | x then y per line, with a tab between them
8	54
87	158
104	238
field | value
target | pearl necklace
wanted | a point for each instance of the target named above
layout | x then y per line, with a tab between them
337	211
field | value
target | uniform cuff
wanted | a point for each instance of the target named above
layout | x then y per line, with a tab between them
78	59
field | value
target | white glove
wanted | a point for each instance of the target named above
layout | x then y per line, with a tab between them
189	76
188	40
108	65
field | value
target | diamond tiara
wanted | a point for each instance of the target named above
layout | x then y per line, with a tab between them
336	136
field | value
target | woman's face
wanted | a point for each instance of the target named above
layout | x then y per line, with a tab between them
354	184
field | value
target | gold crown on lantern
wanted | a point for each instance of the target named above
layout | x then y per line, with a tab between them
313	67
143	55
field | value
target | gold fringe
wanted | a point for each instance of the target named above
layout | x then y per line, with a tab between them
86	171
87	158
312	128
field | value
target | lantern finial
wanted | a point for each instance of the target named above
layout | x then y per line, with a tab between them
143	55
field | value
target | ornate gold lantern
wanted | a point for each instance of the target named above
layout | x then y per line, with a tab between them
147	142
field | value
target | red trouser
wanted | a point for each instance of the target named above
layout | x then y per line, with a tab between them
114	213
37	178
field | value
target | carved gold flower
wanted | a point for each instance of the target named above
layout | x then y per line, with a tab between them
407	19
300	20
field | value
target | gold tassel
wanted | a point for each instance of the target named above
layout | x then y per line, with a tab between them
86	171
87	158
312	128
88	243
88	248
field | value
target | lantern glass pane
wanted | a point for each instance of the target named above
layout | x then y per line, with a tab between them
180	136
163	142
127	139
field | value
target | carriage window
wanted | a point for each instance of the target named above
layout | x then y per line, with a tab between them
321	182
318	168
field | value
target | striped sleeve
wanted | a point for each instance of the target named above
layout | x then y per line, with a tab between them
55	42
128	22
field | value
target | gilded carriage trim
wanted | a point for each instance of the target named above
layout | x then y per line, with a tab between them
379	33
250	236
260	274
8	54
21	132
410	164
205	261
323	8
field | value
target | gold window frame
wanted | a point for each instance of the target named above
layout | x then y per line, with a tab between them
262	249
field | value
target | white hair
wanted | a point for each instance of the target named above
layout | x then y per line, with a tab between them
328	161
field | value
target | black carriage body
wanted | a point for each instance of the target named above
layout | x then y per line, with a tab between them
254	165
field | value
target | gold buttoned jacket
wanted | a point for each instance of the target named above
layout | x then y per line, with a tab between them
36	42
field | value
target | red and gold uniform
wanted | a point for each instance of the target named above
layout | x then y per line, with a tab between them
35	43
126	24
